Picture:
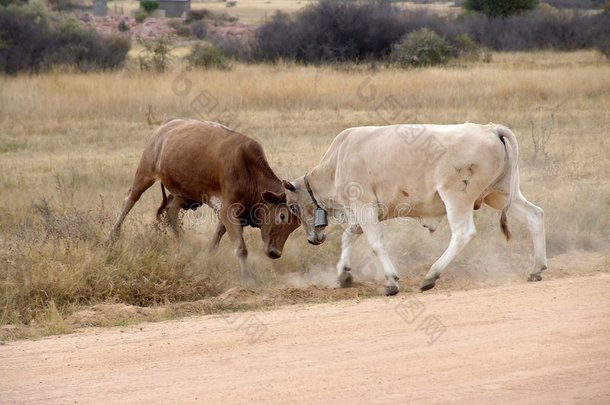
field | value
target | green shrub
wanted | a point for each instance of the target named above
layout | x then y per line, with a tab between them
423	47
149	5
466	47
206	56
123	27
155	56
141	16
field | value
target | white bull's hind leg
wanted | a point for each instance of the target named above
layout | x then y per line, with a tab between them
532	217
344	273
459	214
368	219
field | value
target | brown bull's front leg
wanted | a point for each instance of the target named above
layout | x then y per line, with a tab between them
218	234
232	224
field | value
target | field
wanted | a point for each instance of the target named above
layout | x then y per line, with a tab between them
70	142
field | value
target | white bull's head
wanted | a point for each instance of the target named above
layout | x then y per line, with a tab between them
302	204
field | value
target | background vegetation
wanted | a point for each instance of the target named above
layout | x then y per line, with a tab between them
33	40
328	31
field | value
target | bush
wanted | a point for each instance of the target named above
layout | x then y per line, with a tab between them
86	49
553	29
197	15
26	38
601	32
199	29
149	5
332	30
180	28
29	41
583	4
155	56
423	47
141	16
206	56
123	27
500	8
242	49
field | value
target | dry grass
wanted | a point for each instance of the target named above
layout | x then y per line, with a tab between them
69	144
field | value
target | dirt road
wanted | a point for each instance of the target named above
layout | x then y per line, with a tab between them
535	343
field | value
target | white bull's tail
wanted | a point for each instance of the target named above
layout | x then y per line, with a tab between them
512	155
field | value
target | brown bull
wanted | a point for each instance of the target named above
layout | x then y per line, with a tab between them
208	163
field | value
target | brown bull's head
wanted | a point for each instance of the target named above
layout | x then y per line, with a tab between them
301	204
276	222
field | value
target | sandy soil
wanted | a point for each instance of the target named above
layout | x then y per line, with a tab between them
535	343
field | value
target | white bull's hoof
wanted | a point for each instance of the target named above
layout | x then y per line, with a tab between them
391	290
534	277
345	279
428	284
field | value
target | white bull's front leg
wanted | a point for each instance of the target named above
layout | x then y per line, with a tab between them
344	270
367	217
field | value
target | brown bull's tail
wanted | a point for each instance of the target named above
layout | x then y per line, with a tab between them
163	202
512	153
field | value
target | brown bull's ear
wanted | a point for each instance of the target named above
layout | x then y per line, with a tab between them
274	198
289	186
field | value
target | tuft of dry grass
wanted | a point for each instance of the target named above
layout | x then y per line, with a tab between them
69	145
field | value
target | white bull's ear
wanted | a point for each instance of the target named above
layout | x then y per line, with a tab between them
289	186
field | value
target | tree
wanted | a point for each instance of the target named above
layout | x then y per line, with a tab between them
149	5
500	8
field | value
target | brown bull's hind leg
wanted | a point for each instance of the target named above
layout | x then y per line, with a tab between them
139	186
174	206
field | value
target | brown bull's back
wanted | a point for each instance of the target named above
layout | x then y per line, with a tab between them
198	160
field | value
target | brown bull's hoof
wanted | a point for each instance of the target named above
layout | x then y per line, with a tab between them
345	279
427	284
391	290
534	277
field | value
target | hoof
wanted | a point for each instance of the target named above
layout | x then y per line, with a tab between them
391	290
534	277
427	284
345	279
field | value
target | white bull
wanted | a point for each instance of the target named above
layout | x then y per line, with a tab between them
370	174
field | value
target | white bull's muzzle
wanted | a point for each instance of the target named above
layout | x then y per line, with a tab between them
316	237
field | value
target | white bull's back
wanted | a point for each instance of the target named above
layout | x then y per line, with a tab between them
405	165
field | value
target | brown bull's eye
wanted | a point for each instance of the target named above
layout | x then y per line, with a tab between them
282	217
